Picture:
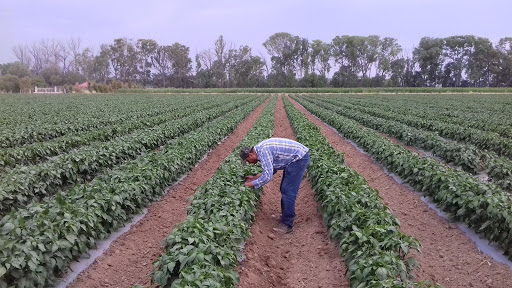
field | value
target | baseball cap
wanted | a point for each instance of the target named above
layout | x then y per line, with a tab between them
244	153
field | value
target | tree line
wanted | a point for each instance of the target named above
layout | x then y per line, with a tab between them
294	61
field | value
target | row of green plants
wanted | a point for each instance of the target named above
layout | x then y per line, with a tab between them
478	114
33	153
203	250
21	110
321	90
32	183
376	253
468	157
28	114
482	139
468	103
38	130
399	111
38	242
484	207
31	110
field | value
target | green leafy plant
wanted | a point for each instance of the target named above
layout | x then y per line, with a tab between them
204	249
484	207
376	252
25	184
38	242
468	157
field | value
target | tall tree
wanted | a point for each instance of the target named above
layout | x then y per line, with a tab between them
22	53
303	56
388	52
345	54
397	71
368	52
162	63
181	64
244	69
73	45
503	67
51	51
220	64
37	58
204	69
479	60
102	70
84	63
316	49
146	51
283	51
456	51
124	59
429	56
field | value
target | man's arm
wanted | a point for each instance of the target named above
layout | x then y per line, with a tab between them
268	169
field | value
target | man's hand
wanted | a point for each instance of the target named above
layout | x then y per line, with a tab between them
250	178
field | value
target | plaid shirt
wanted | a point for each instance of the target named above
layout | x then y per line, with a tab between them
275	154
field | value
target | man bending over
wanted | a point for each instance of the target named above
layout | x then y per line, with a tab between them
279	154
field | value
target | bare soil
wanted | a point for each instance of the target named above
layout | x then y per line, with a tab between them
129	259
303	258
449	257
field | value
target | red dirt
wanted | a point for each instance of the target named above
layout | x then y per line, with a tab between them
129	258
449	257
303	258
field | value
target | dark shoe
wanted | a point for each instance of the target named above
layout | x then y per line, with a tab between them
283	229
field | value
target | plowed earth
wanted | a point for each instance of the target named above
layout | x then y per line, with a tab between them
129	259
449	257
305	257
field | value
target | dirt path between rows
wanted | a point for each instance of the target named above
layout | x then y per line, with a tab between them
303	258
449	257
129	258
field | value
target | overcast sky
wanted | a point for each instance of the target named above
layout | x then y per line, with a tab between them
197	24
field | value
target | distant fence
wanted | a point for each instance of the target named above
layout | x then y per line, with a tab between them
54	90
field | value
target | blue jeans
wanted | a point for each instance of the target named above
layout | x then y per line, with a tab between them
292	176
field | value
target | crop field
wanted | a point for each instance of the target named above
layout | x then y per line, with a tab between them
74	169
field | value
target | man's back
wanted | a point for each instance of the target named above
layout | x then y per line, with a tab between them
280	151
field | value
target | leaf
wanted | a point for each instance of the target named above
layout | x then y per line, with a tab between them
7	228
485	225
160	278
2	270
70	237
382	273
41	247
170	266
